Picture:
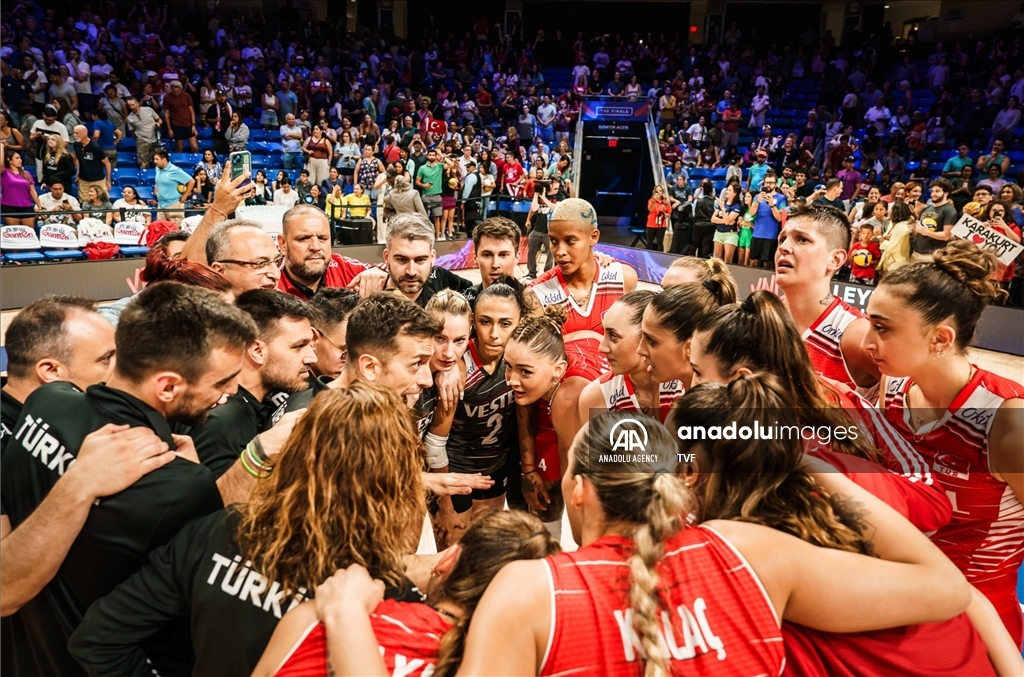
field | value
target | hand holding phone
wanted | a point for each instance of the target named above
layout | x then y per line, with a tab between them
240	163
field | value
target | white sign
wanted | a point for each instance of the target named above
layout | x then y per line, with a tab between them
970	228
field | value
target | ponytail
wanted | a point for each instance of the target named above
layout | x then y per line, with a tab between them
760	334
681	307
543	334
648	495
760	483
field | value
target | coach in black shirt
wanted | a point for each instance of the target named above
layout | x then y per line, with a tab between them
275	365
409	257
156	381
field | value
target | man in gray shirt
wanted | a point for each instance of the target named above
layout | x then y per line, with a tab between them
144	123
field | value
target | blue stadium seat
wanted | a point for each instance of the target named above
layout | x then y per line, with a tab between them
127	144
700	173
147	175
124	177
719	174
204	132
145	192
127	160
132	251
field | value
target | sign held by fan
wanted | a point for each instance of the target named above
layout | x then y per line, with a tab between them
970	228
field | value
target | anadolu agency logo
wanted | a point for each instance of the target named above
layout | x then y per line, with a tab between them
628	440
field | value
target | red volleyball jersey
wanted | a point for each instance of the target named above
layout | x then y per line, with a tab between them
951	647
409	635
340	271
609	286
985	537
716	618
620	395
927	505
585	361
822	341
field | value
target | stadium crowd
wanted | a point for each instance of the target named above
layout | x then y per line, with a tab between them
278	460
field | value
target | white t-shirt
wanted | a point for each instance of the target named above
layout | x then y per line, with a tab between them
50	205
103	69
82	86
55	128
133	212
286	199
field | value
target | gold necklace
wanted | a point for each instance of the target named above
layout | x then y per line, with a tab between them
918	420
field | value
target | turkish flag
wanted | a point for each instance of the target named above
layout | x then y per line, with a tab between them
436	126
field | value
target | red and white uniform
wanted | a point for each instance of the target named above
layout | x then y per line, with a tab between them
985	538
927	506
409	635
620	395
951	647
585	361
717	618
609	286
341	270
822	341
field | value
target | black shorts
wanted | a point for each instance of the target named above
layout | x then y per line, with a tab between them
17	212
763	248
182	133
462	503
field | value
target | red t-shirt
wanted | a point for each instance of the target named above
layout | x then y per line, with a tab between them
512	173
865	272
656	209
340	271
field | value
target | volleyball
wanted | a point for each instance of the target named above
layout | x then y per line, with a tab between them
972	208
862	258
181	189
453	183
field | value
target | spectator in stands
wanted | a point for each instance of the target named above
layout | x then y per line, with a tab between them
318	151
172	182
130	207
769	207
218	117
210	164
201	195
659	213
357	203
291	142
92	163
285	196
994	180
41	130
1006	121
57	206
936	223
17	190
180	118
144	124
995	157
96	199
58	163
829	194
758	108
851	179
237	135
403	200
954	165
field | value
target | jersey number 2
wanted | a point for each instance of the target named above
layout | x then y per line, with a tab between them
493	422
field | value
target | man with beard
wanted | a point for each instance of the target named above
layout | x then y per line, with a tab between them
496	247
276	364
333	308
309	263
409	257
156	382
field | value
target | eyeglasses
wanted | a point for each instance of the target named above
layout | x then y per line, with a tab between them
256	266
343	352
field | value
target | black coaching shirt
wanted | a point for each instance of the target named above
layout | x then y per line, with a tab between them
10	410
200	575
440	279
119	533
231	426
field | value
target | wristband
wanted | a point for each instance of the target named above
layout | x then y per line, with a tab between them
528	472
259	452
437	454
245	466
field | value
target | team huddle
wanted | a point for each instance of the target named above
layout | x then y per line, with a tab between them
245	476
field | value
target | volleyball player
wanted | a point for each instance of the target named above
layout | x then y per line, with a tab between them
772	483
481	427
402	638
433	420
155	382
694	269
624	598
966	421
669	321
812	247
759	335
627	386
547	372
236	572
578	283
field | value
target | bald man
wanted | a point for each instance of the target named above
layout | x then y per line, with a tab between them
92	164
